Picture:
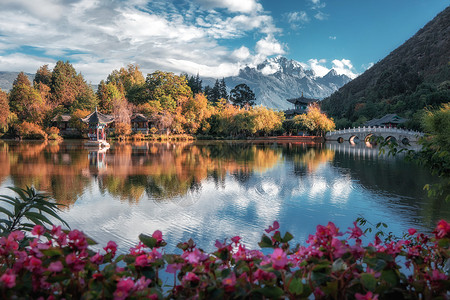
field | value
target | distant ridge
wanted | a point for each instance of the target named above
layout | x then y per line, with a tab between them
7	79
279	78
414	75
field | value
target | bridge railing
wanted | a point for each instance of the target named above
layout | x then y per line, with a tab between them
374	129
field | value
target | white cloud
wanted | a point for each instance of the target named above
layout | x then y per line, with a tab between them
321	16
269	46
342	67
298	16
345	67
243	6
241	53
317	66
316	4
98	36
331	37
367	66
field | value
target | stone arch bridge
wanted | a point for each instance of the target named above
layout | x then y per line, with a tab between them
353	135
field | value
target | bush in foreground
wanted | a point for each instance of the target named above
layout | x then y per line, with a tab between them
333	265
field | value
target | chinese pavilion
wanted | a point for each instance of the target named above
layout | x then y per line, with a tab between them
97	125
301	106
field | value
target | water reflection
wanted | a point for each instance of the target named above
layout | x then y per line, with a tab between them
212	190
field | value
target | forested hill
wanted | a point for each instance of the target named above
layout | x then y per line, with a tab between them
413	76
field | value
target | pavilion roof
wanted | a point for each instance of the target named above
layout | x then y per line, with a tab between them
302	100
98	118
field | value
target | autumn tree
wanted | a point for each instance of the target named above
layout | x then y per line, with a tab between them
26	102
4	109
43	75
126	79
109	96
70	89
195	112
315	121
242	95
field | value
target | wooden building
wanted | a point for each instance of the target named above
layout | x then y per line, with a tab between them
390	120
139	123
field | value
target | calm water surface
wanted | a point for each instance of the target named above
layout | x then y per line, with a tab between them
215	190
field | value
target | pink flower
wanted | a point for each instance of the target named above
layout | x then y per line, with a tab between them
437	276
97	259
279	258
191	277
56	266
195	256
273	227
368	296
158	236
124	286
173	268
38	230
142	283
412	231
16	235
112	246
355	232
141	260
8	279
34	263
236	239
442	229
229	283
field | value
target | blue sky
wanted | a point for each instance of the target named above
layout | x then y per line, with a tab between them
212	37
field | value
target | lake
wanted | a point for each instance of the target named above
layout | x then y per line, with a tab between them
214	190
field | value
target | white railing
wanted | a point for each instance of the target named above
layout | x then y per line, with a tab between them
375	129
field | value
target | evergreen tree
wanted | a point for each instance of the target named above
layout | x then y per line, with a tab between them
43	75
223	89
242	95
22	79
70	89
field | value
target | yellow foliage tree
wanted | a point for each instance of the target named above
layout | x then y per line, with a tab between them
315	121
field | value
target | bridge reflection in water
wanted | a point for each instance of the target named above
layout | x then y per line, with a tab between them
363	150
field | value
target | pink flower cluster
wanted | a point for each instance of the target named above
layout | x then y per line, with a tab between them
56	263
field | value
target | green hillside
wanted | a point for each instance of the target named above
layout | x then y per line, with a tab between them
413	76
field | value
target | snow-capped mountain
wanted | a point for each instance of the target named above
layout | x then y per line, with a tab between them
279	78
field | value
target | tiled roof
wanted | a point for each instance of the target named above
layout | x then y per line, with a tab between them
62	118
390	118
302	100
98	118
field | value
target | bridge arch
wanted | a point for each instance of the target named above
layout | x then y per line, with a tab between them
354	139
391	139
340	139
405	141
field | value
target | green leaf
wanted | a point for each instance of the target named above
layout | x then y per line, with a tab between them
266	242
272	292
390	277
52	252
369	281
6	212
444	243
296	286
147	240
287	237
37	216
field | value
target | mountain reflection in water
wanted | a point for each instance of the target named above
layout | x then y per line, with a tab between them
209	190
